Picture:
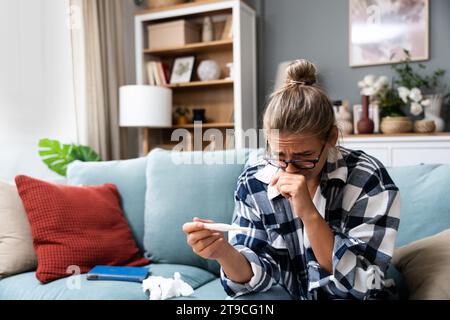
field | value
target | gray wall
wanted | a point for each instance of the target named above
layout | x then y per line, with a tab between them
318	30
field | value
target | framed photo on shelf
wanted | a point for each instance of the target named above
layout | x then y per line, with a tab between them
182	69
380	31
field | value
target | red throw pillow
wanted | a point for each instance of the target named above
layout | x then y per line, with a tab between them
76	226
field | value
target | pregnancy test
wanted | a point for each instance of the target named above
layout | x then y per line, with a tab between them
222	227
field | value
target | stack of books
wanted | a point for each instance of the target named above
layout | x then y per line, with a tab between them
158	73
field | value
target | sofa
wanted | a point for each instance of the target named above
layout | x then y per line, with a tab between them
160	192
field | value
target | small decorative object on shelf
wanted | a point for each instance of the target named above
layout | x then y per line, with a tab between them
343	117
433	111
182	70
208	30
230	67
181	116
365	125
393	125
199	115
208	70
424	126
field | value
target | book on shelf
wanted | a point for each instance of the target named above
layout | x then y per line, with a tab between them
228	29
156	73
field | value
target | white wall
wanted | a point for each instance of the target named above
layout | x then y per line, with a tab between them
36	91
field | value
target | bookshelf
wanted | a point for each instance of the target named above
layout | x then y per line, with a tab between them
229	103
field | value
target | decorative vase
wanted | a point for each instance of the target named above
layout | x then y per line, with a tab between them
392	125
365	125
433	111
156	4
208	70
207	32
343	118
199	115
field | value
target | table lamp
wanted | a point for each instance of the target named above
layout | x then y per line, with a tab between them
145	106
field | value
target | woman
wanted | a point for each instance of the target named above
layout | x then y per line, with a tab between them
324	219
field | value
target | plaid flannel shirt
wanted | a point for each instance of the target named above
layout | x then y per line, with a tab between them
360	203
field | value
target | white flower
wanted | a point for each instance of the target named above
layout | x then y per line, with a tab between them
383	80
368	91
415	95
426	102
403	92
361	84
369	80
416	108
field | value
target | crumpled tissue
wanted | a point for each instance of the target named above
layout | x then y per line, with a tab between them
165	288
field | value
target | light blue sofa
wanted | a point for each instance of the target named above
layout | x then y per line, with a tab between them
158	196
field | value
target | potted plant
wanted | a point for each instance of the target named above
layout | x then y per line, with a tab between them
57	156
379	91
181	115
419	90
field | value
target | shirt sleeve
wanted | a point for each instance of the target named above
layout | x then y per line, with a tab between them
252	246
363	248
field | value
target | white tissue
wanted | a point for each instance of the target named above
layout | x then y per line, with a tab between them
165	288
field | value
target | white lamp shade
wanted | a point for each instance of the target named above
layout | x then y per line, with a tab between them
145	106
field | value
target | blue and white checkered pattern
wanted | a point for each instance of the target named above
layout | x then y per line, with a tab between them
361	204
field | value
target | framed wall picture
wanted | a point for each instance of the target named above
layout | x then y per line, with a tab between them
380	31
182	69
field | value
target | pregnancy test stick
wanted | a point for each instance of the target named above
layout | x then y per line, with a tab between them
222	227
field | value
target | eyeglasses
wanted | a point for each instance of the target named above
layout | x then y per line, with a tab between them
298	164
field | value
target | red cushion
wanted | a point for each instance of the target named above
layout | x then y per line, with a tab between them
76	226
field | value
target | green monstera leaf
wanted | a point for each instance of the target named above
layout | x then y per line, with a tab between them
57	156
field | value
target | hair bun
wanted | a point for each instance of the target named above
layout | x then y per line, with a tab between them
301	71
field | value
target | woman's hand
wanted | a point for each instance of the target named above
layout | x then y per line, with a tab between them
207	244
294	188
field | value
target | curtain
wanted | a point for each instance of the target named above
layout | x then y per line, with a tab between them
100	69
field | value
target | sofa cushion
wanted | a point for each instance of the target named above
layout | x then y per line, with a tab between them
128	176
425	264
425	205
76	226
176	193
16	244
26	287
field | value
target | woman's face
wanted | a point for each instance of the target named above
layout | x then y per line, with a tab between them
287	146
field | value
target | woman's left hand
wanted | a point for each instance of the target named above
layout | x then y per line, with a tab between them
294	188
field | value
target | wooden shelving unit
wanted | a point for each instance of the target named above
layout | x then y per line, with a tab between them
229	103
192	48
201	84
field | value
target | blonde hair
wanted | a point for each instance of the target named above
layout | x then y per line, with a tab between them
300	106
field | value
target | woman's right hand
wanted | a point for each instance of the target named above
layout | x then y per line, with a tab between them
206	243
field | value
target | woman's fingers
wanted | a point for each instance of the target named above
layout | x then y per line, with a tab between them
190	227
202	220
206	242
211	249
194	237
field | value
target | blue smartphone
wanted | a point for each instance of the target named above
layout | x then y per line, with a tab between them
133	274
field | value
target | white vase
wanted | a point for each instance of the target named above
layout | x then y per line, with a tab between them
433	111
208	32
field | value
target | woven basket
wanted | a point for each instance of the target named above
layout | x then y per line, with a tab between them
391	125
424	126
156	4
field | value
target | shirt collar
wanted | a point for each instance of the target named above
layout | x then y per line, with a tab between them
335	168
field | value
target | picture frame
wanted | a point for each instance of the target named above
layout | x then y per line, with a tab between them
380	31
374	114
182	69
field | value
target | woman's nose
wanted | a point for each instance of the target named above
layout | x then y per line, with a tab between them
291	168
